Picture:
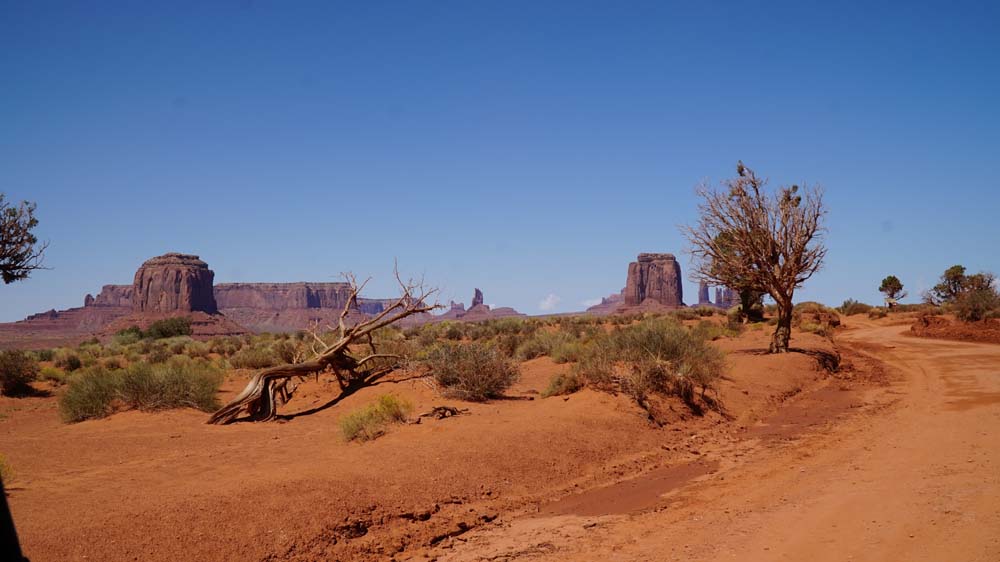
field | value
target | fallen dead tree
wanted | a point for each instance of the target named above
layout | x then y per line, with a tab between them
272	387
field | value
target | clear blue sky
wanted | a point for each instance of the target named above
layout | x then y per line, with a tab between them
527	148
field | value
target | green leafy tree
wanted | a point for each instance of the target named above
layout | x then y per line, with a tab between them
892	288
949	288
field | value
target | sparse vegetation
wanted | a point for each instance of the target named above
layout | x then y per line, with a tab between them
472	371
372	420
852	307
971	297
654	356
892	288
180	383
563	383
17	370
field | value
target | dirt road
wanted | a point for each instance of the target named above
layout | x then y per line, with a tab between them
914	475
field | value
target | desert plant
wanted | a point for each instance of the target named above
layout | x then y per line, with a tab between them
128	335
471	371
563	383
892	288
254	358
20	251
67	360
168	328
653	356
17	370
748	238
53	375
89	394
876	313
978	299
851	307
179	383
370	422
45	354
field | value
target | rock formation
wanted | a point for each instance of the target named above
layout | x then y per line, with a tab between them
703	299
173	283
655	280
477	298
477	312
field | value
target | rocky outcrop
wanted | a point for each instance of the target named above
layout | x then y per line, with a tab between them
477	298
703	299
173	283
113	295
654	280
477	312
282	296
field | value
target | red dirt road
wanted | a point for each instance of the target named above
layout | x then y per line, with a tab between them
915	476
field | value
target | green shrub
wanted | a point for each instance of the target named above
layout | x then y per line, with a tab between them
179	383
128	336
563	383
45	354
543	342
876	313
710	331
254	358
68	360
976	303
852	307
113	363
656	355
159	354
53	375
371	421
472	371
17	370
168	328
686	314
89	394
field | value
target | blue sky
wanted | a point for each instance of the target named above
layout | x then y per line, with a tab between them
527	148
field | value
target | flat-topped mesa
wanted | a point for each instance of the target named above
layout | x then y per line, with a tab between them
282	296
173	283
654	279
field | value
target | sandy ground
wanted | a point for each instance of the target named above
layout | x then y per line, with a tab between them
914	476
808	465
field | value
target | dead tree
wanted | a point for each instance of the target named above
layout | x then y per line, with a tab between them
272	387
770	242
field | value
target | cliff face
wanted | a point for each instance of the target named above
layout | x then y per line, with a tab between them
281	296
173	283
654	279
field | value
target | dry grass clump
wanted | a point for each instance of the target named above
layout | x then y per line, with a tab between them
472	371
179	383
563	383
371	421
851	307
17	370
654	356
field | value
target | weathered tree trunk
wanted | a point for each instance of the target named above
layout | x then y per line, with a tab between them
270	388
783	332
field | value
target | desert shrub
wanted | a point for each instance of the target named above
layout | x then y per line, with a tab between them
91	393
568	351
178	383
285	351
876	313
852	307
159	354
656	355
563	383
196	349
52	375
168	328
370	422
543	343
686	314
452	331
472	371
225	346
178	347
113	363
17	370
67	360
704	311
45	355
128	336
975	303
254	358
710	331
